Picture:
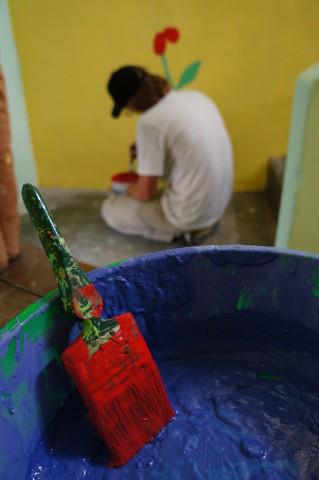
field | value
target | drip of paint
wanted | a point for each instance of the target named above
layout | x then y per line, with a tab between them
270	377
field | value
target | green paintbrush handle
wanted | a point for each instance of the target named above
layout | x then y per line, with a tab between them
66	270
78	294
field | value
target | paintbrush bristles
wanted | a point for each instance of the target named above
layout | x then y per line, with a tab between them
134	416
122	388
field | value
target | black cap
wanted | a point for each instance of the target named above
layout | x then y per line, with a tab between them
123	85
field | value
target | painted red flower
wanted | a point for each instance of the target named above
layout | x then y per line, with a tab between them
171	34
159	44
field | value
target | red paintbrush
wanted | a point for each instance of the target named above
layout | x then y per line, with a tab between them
110	362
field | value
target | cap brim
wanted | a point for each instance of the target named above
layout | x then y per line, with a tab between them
116	111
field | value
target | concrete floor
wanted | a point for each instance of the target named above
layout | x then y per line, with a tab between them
248	220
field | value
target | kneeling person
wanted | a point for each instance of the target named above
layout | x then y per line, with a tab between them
181	137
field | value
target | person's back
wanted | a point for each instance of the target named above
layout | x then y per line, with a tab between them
185	134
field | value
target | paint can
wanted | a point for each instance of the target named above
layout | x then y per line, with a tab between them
121	182
235	331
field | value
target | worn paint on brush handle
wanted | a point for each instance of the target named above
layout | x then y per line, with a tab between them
78	294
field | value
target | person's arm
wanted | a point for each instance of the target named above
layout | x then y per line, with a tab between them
144	188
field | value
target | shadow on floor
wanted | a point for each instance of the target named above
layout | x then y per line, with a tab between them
248	220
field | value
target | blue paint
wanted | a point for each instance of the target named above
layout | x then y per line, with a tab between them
253	448
229	423
244	381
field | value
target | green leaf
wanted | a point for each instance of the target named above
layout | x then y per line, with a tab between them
189	74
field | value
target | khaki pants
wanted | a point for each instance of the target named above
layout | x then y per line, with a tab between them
132	217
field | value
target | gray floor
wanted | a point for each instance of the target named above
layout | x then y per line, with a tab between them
248	220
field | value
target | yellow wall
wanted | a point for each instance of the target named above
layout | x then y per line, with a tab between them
252	52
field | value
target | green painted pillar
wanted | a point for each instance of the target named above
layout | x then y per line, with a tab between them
298	225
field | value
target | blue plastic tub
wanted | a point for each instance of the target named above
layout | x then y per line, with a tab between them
235	332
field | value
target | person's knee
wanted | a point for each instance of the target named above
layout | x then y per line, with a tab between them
116	212
105	211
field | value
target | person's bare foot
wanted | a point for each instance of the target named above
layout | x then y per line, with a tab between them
198	236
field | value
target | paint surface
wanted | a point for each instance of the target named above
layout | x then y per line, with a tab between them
244	411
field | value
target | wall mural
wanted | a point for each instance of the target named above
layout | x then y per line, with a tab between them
160	42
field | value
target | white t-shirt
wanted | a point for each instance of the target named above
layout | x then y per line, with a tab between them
184	135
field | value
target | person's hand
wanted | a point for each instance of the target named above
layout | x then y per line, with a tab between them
144	188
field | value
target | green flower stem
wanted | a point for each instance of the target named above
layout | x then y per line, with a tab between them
167	72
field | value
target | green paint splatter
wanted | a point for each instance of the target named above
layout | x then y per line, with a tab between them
4	396
232	273
39	325
244	302
284	261
269	376
115	264
20	393
315	290
5	414
8	363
